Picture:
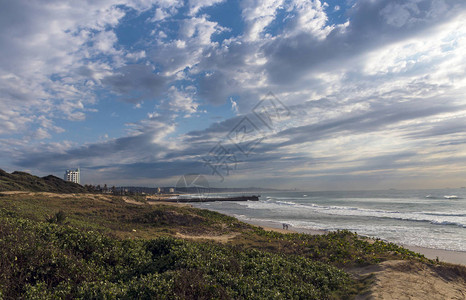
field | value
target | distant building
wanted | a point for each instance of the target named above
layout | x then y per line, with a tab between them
159	190
171	190
73	176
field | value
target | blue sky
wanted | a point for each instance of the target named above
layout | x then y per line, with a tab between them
364	94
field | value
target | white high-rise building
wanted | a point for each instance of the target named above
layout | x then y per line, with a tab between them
73	176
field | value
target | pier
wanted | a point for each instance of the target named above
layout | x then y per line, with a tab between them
213	199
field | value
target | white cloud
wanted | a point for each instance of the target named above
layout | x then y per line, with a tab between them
182	100
258	14
105	41
179	56
196	5
234	106
432	59
41	134
52	42
166	9
200	29
136	55
160	15
311	18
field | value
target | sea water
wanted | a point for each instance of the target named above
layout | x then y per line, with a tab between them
426	218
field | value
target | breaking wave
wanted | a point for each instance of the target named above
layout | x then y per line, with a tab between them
436	218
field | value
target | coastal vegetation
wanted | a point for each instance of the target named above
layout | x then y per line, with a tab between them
43	260
57	241
103	246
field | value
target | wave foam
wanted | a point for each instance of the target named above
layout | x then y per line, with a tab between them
443	218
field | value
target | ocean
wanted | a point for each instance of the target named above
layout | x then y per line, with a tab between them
426	218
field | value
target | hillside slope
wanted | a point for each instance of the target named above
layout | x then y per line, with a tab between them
22	181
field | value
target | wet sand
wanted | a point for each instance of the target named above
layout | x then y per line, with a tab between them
454	257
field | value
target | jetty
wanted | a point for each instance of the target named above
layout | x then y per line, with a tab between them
212	199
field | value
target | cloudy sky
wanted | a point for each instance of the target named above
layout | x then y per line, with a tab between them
307	94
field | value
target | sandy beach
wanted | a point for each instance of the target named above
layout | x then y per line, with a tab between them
453	257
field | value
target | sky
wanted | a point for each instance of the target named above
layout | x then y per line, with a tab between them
291	94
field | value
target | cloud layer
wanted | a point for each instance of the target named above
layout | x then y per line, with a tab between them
374	90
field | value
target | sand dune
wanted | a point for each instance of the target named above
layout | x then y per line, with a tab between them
412	280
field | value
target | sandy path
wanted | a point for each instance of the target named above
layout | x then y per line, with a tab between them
168	203
14	192
218	238
131	201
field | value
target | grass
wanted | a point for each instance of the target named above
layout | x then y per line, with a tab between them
98	246
111	215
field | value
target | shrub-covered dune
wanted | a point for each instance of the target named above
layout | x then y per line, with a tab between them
22	181
42	260
68	246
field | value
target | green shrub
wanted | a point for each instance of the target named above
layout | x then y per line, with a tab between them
341	248
40	260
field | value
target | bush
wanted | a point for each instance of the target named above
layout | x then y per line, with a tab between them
340	248
58	218
44	260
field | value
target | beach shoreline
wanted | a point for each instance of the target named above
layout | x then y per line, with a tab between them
448	256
